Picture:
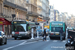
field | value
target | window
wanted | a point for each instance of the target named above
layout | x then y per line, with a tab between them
20	27
55	29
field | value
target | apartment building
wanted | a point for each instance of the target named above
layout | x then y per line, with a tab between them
17	7
9	7
45	12
54	14
39	11
1	8
32	10
57	15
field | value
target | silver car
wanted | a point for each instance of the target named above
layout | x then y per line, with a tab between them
3	38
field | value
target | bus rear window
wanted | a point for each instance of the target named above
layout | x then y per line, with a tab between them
55	29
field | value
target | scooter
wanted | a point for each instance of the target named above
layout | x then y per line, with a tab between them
69	45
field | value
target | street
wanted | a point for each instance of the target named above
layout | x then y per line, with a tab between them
24	44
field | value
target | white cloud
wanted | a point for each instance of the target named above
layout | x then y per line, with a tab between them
64	5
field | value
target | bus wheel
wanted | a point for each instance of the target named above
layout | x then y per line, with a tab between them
15	38
50	38
64	38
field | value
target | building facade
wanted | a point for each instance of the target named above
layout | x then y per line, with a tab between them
30	10
45	11
54	14
9	7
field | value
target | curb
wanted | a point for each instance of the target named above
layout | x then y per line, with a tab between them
9	37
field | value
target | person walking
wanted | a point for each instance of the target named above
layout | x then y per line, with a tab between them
44	35
61	33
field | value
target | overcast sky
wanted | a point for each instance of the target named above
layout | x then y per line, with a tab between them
64	5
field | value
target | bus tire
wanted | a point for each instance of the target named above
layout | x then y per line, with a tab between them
15	38
64	38
50	37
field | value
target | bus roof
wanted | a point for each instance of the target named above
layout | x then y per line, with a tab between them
56	21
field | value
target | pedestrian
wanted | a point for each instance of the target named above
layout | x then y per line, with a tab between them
61	33
44	35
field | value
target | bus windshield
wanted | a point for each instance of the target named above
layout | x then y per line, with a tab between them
55	29
20	27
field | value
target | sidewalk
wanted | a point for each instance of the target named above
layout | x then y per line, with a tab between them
9	36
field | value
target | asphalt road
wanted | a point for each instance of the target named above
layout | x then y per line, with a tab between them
34	45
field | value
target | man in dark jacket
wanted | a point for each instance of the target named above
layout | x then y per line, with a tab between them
44	35
61	33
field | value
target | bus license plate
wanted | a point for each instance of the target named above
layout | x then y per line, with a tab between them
57	34
19	36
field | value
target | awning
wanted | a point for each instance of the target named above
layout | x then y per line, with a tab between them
40	20
3	21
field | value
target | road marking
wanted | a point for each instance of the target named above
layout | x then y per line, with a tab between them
54	40
23	43
30	42
15	46
63	41
47	40
47	36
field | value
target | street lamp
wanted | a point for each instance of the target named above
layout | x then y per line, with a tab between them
13	15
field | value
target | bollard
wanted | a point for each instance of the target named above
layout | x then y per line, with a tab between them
32	35
37	34
66	33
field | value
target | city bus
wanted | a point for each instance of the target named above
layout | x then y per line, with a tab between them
55	27
22	29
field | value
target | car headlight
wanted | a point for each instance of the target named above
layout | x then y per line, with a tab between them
71	42
68	41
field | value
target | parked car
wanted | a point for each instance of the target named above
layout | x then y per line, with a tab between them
3	38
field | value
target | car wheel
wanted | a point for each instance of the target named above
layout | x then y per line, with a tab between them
5	41
1	43
15	38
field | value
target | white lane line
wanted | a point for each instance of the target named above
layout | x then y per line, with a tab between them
23	43
15	46
47	36
30	42
63	41
54	40
42	40
47	40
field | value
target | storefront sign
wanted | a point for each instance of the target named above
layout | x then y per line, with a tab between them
1	22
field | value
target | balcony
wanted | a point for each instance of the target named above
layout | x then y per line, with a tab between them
29	3
7	4
41	8
30	13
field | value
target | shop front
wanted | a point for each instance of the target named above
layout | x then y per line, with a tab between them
5	26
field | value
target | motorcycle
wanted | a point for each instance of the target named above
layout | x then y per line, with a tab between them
70	44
